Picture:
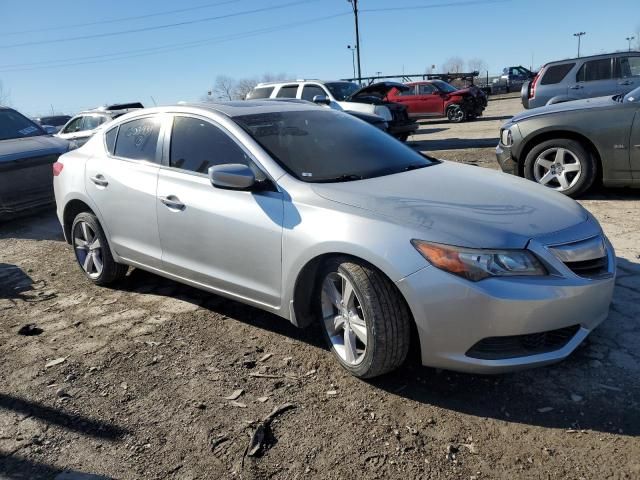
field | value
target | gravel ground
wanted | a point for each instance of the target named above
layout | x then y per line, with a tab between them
153	379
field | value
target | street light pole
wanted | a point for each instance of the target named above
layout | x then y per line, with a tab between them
579	35
354	5
353	58
629	39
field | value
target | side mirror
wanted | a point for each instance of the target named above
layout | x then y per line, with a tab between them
232	176
321	100
49	129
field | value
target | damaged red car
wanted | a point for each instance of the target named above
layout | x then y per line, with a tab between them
436	98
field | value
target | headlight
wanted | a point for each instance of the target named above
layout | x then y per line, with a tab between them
383	112
475	264
506	138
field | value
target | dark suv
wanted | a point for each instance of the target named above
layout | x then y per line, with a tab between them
585	77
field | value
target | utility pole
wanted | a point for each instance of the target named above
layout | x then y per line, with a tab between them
579	35
629	39
354	5
353	58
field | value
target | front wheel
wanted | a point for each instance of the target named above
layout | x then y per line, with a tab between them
364	319
456	114
561	164
92	251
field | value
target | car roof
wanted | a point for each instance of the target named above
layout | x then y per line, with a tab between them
299	80
595	57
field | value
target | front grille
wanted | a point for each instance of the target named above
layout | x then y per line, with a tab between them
589	268
500	348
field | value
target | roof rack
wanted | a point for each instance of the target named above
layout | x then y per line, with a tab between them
120	106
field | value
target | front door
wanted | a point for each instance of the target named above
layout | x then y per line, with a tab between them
228	240
429	100
123	185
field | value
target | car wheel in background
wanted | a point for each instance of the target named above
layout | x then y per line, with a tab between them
364	319
456	114
92	251
563	165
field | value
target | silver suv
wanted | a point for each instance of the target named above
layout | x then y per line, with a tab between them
580	78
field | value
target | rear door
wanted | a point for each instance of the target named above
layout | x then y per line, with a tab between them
228	240
594	79
627	73
406	97
123	182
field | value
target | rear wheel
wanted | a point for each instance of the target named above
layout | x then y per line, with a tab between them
456	114
561	164
364	319
92	251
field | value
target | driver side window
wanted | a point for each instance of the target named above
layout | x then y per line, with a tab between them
197	145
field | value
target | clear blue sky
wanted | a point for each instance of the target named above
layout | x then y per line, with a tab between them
500	33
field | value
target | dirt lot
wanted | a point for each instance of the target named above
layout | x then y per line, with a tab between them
131	382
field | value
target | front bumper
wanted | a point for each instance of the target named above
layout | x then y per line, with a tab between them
452	314
507	163
403	129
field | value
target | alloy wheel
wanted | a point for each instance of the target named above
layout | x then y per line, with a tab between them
557	168
88	249
455	114
343	318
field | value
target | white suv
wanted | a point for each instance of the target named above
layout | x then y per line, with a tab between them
347	96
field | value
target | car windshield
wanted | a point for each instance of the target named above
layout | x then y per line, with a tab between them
329	146
444	86
633	96
15	125
342	90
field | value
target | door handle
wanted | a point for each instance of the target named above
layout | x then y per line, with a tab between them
99	180
576	87
172	202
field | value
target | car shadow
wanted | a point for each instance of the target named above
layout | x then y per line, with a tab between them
43	225
13	467
53	416
454	143
590	390
15	284
609	193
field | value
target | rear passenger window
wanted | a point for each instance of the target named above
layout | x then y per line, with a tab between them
288	91
262	92
197	145
628	67
595	70
110	140
138	139
556	73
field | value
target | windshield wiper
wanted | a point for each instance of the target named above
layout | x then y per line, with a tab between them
342	178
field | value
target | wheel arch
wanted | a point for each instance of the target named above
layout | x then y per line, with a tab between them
530	144
71	211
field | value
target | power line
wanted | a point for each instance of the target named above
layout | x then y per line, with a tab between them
120	19
158	27
162	49
435	5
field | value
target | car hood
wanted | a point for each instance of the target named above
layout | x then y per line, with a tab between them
29	147
380	89
462	205
589	103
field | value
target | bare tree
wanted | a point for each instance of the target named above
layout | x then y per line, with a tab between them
477	65
453	65
223	88
228	88
5	95
243	87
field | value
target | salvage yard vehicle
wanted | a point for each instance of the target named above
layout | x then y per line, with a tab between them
565	147
27	152
82	126
584	77
435	98
316	216
55	121
347	96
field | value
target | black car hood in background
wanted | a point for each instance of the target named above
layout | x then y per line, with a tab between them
16	149
379	89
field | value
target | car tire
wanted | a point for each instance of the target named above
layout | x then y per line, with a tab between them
377	313
92	251
456	114
548	161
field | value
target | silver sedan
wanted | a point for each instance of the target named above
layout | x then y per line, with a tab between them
317	216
